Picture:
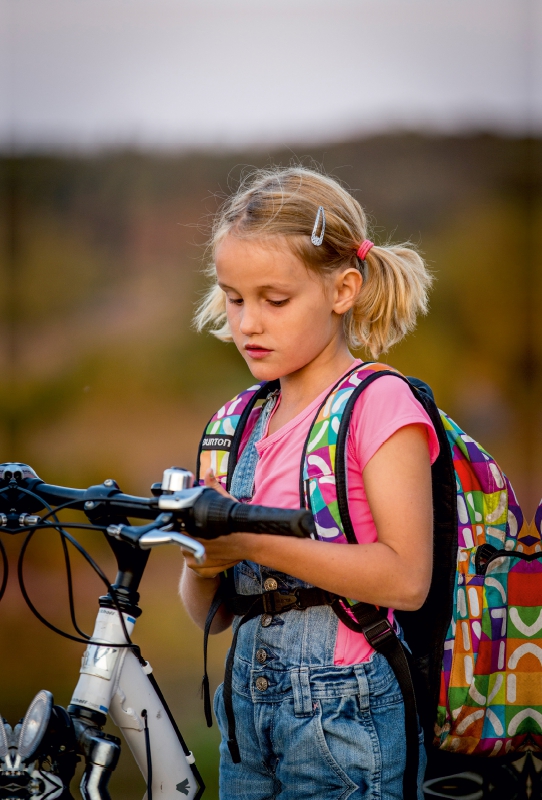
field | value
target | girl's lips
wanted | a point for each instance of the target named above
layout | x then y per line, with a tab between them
257	352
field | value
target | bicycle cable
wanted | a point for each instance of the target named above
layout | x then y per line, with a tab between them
70	588
145	716
65	535
52	512
87	556
67	504
5	568
68	578
89	559
28	601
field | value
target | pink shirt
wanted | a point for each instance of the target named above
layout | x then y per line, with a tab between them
384	407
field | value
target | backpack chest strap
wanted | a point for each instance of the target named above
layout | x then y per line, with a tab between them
278	602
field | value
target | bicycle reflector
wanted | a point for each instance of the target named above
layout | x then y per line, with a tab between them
34	724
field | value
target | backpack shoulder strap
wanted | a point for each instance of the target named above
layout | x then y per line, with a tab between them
220	442
323	483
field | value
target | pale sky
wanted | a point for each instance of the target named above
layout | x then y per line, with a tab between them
203	73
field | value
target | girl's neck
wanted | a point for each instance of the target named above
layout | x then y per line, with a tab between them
300	388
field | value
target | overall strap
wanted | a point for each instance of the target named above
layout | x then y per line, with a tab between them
244	474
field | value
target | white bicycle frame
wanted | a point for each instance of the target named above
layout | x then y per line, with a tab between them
113	681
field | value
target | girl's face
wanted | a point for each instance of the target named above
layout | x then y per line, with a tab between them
282	316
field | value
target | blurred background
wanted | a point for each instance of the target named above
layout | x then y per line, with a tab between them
123	123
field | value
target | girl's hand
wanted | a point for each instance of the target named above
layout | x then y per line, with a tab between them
216	559
221	553
212	482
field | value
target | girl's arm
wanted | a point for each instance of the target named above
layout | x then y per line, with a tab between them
395	571
197	594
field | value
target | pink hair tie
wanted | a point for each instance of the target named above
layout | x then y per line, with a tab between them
364	248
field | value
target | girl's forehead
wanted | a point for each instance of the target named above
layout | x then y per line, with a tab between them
265	261
254	247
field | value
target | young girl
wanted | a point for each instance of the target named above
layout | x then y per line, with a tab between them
297	284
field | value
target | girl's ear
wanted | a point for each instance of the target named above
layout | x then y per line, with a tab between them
347	286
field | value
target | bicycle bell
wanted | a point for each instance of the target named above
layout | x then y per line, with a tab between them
175	479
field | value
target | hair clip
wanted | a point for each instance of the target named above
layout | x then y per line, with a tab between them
317	240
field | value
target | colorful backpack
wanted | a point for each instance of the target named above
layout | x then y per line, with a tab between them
476	643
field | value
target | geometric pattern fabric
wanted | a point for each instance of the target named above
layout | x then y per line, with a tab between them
491	681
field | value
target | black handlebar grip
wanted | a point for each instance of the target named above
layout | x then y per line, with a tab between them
215	515
278	521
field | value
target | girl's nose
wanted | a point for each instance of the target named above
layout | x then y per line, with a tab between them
251	321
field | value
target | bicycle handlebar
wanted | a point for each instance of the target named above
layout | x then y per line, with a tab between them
200	512
129	505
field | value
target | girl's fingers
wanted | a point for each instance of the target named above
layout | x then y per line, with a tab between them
207	571
211	481
210	567
221	553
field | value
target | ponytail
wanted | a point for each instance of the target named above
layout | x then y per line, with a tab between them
394	292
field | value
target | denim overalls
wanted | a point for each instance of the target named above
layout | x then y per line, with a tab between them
306	728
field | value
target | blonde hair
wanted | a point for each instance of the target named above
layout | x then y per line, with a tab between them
284	202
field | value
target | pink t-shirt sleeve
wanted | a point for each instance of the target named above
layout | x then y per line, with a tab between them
384	407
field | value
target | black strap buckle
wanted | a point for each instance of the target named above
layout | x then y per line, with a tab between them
277	602
379	633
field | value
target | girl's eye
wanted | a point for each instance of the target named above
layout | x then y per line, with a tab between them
278	303
236	301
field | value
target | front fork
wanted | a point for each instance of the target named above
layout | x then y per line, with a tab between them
113	681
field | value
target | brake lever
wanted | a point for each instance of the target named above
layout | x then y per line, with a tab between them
133	533
156	533
164	536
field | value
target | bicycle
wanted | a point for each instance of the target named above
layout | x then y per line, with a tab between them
38	757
